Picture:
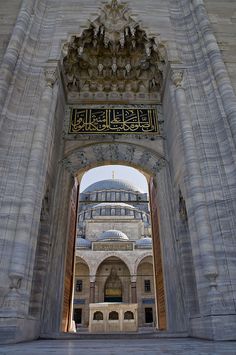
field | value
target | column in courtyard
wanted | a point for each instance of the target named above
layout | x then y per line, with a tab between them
22	257
196	193
133	290
92	290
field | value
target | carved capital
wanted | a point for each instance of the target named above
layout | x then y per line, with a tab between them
51	75
177	77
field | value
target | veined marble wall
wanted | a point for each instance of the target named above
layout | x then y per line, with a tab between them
199	113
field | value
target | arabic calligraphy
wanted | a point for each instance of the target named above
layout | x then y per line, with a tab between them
115	120
112	246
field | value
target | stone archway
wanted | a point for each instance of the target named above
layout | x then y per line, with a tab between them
144	152
147	160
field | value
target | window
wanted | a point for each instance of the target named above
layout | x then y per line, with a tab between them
79	286
113	315
98	316
147	286
78	315
128	315
148	315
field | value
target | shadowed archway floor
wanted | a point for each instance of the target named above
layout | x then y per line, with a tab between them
125	346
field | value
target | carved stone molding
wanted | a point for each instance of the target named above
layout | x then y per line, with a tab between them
114	59
104	153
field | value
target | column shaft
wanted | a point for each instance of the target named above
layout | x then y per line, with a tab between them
133	292
92	292
221	75
196	186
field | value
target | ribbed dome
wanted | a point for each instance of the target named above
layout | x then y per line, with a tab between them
82	243
113	204
111	184
113	235
144	243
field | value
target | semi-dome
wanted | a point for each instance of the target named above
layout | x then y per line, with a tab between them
82	243
112	184
113	235
144	243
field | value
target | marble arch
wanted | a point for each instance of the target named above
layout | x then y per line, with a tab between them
117	255
140	259
89	156
198	140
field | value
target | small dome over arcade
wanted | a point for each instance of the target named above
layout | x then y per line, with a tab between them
113	235
82	243
144	243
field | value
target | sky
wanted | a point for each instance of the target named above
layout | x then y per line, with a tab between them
119	171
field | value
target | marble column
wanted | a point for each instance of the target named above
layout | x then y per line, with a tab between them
196	188
25	244
224	85
14	47
133	292
92	292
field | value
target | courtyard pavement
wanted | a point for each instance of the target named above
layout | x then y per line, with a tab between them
186	346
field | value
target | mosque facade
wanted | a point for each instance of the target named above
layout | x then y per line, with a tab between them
114	261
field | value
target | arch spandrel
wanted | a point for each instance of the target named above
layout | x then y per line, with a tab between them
114	153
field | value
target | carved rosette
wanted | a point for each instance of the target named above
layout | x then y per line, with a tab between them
114	56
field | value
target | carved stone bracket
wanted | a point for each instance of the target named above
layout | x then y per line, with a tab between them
177	76
51	74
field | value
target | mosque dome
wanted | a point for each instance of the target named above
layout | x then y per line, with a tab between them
82	243
113	204
111	184
144	243
113	235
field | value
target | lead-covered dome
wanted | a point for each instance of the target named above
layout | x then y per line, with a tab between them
82	243
112	184
144	243
113	235
113	204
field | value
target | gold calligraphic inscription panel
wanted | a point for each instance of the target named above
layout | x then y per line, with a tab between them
115	120
112	246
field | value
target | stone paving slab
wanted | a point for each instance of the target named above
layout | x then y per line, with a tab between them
121	347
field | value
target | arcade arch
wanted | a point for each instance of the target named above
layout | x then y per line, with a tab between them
122	153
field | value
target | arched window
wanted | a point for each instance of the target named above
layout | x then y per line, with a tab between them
113	315
98	316
128	315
